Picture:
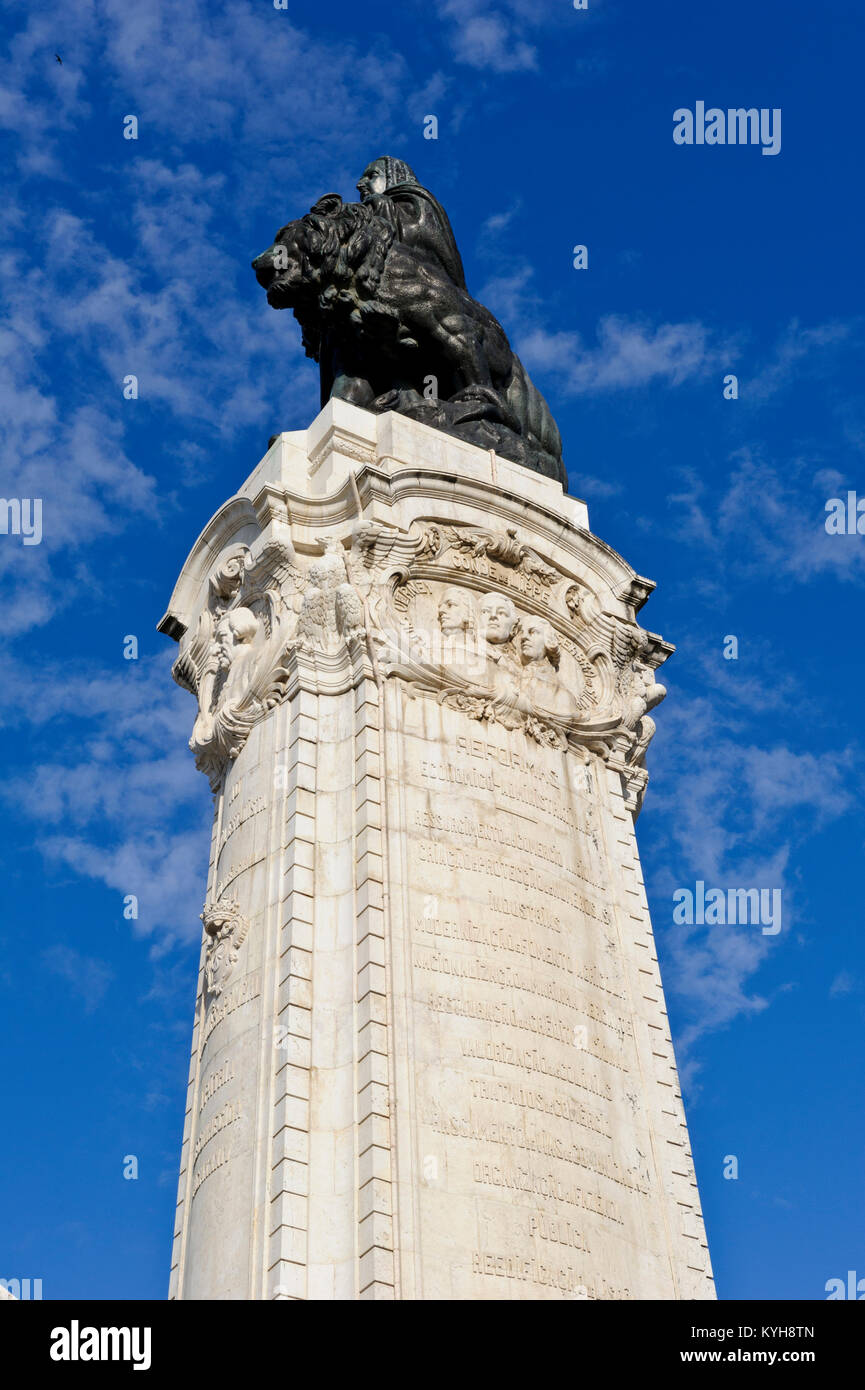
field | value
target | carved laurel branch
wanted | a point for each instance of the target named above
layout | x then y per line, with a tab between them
504	549
379	547
491	711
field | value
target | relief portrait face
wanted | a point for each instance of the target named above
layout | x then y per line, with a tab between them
535	639
498	617
455	611
243	625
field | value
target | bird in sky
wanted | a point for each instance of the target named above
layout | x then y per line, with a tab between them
59	59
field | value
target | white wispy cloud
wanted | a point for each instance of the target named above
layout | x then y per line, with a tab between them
734	815
488	40
251	77
150	281
843	983
630	353
119	799
164	869
626	354
771	516
798	351
506	37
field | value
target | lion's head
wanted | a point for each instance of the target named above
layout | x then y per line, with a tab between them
335	252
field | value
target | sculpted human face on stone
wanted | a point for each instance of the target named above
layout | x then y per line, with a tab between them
455	614
235	634
371	181
536	640
243	624
498	618
236	629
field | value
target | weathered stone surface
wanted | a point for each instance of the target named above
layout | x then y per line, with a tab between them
431	1057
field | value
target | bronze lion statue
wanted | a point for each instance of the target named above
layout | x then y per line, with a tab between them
392	331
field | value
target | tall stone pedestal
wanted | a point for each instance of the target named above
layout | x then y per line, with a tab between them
430	1057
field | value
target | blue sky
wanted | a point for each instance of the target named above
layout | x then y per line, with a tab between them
555	128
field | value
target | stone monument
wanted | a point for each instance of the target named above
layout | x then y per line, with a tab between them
430	1056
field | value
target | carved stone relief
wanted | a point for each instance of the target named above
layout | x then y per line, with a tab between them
473	617
226	929
260	612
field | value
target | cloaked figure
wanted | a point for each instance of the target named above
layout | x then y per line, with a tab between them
378	289
390	187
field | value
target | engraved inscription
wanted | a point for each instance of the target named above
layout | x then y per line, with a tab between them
563	1277
235	871
218	1159
240	817
241	993
512	938
520	1135
518	1179
214	1081
497	938
226	1115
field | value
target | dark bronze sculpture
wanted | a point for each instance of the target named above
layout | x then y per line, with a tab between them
378	289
